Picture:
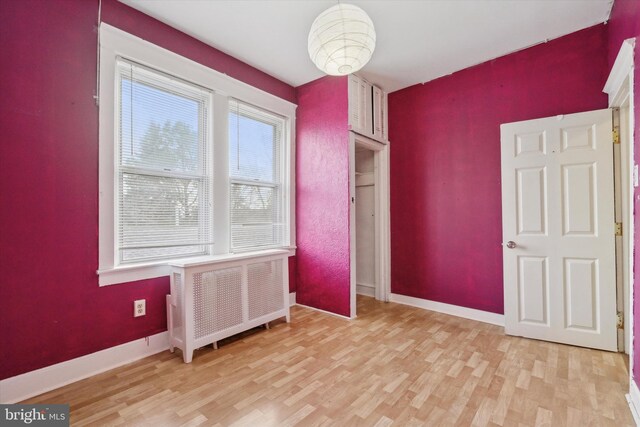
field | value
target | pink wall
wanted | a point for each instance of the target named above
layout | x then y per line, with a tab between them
446	230
51	308
292	274
322	195
624	23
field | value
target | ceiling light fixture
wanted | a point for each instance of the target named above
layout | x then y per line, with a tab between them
341	40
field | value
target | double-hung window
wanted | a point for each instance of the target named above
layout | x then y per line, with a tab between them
193	163
163	168
255	158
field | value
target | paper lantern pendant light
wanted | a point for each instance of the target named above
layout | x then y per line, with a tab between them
341	40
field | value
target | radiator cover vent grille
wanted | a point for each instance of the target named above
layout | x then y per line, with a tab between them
265	288
217	300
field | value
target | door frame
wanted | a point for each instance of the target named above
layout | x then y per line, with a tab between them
381	209
619	88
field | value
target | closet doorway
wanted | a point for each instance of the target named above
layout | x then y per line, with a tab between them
369	230
365	223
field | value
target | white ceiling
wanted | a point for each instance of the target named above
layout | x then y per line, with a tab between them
417	40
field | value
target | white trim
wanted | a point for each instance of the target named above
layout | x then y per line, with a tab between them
633	398
24	386
352	226
221	224
454	310
625	193
292	299
366	290
218	259
131	273
125	274
620	70
384	226
324	311
619	88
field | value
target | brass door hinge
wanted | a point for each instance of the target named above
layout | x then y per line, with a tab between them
618	229
620	320
616	135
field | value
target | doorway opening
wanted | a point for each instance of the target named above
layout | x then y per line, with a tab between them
365	223
369	219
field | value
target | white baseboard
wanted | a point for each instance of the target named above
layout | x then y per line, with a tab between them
454	310
633	398
366	290
292	299
24	386
324	311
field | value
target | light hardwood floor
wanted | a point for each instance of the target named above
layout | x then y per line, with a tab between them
393	365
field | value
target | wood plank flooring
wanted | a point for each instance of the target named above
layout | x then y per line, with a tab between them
393	365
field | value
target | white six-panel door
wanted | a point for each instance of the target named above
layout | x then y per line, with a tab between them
558	229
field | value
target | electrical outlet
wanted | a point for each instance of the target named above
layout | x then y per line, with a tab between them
139	308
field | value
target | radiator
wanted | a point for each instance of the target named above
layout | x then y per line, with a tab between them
212	300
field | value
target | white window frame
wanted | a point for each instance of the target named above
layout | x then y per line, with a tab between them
115	43
204	174
265	184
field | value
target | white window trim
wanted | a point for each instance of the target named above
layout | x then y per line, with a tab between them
280	184
120	168
114	43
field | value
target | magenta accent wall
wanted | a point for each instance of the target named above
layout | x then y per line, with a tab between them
322	195
292	274
624	23
446	230
51	308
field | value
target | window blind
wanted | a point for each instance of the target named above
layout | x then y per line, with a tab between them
164	178
256	195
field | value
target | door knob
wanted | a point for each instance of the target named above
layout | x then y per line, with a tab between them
511	244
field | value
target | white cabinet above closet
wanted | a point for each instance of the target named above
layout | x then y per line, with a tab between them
367	109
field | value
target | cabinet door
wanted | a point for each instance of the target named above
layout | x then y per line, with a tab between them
360	105
378	117
385	117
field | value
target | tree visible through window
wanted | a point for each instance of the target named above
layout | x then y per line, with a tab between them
255	139
164	184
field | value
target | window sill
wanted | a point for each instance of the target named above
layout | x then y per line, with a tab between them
132	273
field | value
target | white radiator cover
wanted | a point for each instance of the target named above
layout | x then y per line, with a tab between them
213	299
